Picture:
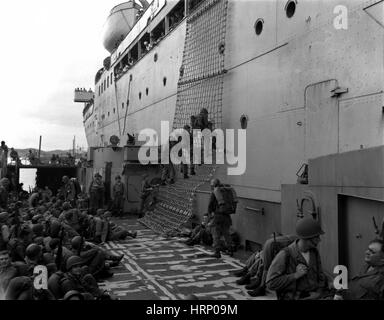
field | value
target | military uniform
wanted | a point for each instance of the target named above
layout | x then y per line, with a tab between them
280	277
118	197
96	192
367	286
221	224
70	192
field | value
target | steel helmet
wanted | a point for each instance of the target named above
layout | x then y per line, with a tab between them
100	212
38	229
66	206
107	214
76	242
73	262
33	251
307	228
73	294
4	216
36	218
55	228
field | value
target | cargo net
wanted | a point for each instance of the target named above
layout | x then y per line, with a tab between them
201	74
200	86
175	204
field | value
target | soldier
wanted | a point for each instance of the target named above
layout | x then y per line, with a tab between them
221	221
115	232
168	170
370	284
47	194
96	193
146	190
296	271
118	194
4	192
74	279
7	271
79	245
187	128
4	230
69	190
202	233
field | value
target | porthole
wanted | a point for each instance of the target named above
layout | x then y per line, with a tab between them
244	122
109	114
155	57
122	105
114	110
259	25
147	91
165	81
290	8
140	95
131	77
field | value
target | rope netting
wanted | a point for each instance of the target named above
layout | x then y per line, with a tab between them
200	86
201	74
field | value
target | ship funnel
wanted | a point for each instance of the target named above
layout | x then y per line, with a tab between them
119	24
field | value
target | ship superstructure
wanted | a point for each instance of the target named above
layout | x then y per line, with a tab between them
304	78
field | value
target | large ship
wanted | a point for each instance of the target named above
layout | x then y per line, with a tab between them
305	79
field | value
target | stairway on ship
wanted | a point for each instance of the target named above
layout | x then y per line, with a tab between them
175	203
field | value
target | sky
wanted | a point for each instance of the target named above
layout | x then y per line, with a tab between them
48	48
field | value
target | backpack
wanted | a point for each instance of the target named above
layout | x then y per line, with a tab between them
201	122
226	198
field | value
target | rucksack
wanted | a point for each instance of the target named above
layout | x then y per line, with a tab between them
201	122
226	198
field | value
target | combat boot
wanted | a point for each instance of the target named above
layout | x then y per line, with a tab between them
255	283
133	234
244	280
259	291
117	258
241	272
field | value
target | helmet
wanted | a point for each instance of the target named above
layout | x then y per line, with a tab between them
66	206
36	218
33	251
55	228
107	214
73	294
307	228
76	242
4	216
100	212
38	229
73	261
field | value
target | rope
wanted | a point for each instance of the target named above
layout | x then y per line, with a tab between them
200	86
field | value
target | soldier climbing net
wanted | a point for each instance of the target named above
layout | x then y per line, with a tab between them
200	86
201	74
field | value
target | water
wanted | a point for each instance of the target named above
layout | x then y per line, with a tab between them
28	177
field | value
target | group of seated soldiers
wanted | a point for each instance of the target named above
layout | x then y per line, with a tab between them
62	239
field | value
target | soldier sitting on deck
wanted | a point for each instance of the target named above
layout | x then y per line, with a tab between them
370	284
75	279
254	274
202	233
296	272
